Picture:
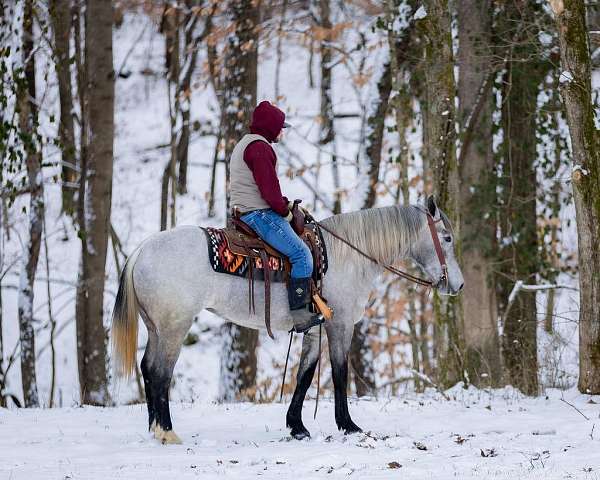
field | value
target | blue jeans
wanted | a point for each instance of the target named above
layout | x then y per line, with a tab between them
277	232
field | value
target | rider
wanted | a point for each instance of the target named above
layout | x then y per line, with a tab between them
256	194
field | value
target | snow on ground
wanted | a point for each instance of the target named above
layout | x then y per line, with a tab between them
477	434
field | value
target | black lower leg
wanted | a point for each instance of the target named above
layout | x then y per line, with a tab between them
160	392
148	390
340	383
294	413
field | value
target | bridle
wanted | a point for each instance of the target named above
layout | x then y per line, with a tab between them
396	271
438	248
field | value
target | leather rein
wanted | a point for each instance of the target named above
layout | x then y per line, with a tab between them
400	273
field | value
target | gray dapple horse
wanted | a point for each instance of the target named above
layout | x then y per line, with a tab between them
174	281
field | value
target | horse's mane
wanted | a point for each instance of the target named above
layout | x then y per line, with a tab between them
384	233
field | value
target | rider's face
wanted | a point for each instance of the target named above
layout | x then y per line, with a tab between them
280	136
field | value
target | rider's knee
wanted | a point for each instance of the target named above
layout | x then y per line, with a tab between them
308	260
302	256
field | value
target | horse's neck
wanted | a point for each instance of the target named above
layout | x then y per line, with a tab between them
372	232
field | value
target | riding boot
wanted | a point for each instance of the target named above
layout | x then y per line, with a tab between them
299	296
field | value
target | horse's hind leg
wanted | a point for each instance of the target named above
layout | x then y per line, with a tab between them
169	346
306	371
162	352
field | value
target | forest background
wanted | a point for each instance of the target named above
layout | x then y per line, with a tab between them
118	119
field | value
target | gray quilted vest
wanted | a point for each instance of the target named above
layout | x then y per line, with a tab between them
244	192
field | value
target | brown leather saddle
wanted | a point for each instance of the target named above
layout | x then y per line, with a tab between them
242	240
249	255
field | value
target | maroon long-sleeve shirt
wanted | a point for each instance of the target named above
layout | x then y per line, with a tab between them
267	120
261	160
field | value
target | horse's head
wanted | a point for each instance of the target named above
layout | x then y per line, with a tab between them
431	258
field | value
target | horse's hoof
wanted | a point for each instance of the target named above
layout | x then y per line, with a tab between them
168	437
300	433
351	428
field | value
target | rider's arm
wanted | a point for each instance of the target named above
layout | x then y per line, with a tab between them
261	160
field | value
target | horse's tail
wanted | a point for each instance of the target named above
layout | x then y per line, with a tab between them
125	321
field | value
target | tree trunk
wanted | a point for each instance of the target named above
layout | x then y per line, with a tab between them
216	82
28	124
440	151
518	254
377	111
552	249
2	374
375	130
192	40
577	97
423	298
327	133
99	101
213	174
360	356
170	27
399	43
361	359
184	92
60	12
5	32
238	359
478	191
279	49
81	294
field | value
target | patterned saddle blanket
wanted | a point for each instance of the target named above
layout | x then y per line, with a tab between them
238	253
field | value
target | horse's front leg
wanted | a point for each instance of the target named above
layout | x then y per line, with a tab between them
339	335
306	372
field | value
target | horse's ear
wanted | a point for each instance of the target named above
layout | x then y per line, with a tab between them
431	206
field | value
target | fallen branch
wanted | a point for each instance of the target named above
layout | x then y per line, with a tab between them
428	380
573	406
395	382
520	286
117	247
121	70
51	318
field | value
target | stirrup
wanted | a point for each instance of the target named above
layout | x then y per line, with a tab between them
313	321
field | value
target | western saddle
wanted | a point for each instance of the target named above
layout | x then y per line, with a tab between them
244	241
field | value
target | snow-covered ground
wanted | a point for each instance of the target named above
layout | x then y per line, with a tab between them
477	434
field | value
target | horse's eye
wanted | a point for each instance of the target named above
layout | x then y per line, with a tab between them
448	238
